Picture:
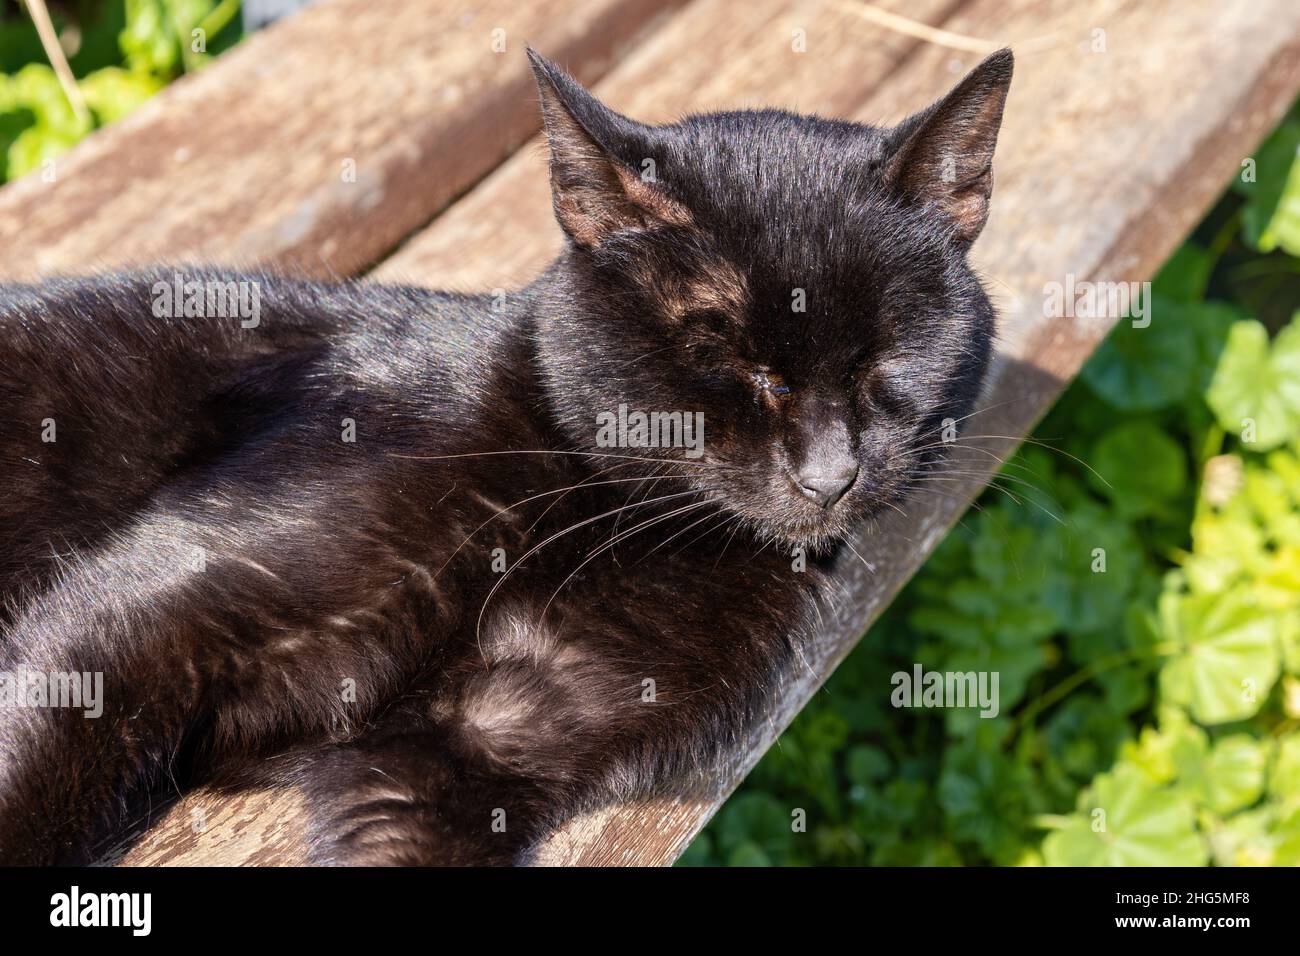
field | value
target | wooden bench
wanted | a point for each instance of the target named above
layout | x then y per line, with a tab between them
1125	121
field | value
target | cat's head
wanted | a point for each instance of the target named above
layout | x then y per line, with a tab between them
801	282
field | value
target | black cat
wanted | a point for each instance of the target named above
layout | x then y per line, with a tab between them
469	566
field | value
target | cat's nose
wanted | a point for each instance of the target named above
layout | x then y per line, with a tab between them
824	487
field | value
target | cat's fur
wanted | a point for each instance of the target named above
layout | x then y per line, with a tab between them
201	533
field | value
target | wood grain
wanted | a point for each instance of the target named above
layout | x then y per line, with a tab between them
1106	161
314	146
713	55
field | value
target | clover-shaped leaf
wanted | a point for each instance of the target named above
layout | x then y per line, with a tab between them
1143	369
1284	780
1228	654
1138	491
1271	215
1125	819
1255	391
1227	777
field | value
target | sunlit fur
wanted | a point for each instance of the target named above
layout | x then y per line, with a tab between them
470	623
893	337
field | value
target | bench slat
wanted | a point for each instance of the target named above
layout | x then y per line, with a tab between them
751	63
244	163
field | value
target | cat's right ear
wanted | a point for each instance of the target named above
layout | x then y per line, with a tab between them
594	190
943	156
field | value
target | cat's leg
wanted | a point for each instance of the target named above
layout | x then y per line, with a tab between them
532	730
209	627
410	794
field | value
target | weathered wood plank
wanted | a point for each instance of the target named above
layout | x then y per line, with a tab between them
315	146
253	828
1106	161
502	232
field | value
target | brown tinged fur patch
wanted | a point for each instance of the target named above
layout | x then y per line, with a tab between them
719	287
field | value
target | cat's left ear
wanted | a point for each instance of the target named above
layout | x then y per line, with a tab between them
944	155
595	189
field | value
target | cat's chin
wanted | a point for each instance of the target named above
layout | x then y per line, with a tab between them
816	537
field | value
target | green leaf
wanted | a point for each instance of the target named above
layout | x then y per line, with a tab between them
1144	369
33	146
987	797
1284	781
1286	363
748	854
1211	322
947	623
149	41
1287	838
1126	820
866	764
1247	839
1084	736
1102	565
1255	392
1184	277
1226	778
699	853
1271	215
1156	751
36	87
1228	655
755	822
113	93
1144	490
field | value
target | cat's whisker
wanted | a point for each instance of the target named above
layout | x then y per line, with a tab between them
947	466
975	506
645	493
645	355
865	563
977	475
649	522
585	483
523	501
661	544
989	408
965	479
890	504
739	522
946	445
1052	448
478	627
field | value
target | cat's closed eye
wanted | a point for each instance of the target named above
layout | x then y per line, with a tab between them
771	383
886	389
713	320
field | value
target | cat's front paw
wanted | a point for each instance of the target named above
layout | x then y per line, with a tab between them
410	806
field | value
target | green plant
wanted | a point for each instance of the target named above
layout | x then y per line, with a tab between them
1142	610
121	52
